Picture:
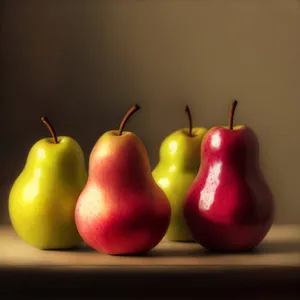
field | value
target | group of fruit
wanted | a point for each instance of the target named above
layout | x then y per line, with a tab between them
207	188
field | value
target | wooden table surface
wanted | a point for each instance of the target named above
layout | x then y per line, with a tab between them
275	264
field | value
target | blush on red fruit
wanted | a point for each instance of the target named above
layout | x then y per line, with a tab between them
121	210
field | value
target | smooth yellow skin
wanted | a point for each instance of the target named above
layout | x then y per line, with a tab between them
177	168
43	198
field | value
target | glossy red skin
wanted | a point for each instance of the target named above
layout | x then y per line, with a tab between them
229	206
122	210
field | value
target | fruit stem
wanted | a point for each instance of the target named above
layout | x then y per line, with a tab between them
231	115
187	110
130	112
50	127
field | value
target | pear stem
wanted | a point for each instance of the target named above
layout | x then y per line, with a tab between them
187	110
130	112
231	115
50	127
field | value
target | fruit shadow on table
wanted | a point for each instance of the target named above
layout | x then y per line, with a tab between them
268	247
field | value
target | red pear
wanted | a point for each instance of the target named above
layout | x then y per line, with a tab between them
121	210
229	206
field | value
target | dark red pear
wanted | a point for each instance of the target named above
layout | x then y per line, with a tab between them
229	206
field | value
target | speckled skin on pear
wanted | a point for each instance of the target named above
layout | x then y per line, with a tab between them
43	198
121	209
177	168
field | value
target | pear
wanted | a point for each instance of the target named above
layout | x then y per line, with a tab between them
229	207
43	197
121	211
175	172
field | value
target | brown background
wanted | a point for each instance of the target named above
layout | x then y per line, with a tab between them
84	63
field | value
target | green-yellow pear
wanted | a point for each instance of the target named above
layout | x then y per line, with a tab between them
43	198
177	168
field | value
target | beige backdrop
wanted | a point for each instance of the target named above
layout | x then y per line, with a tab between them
84	63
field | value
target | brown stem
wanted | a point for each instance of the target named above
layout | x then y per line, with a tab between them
231	115
130	112
187	110
50	127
